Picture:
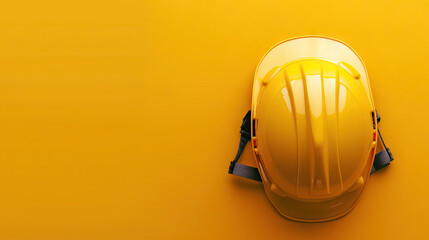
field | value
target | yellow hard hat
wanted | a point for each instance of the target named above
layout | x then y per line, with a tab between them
313	127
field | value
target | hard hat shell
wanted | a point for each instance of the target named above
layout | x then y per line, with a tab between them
313	127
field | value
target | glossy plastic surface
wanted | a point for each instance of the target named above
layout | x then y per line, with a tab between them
118	118
314	127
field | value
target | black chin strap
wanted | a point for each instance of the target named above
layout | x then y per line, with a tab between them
381	159
384	157
240	169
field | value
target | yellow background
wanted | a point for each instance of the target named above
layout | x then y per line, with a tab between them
118	119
